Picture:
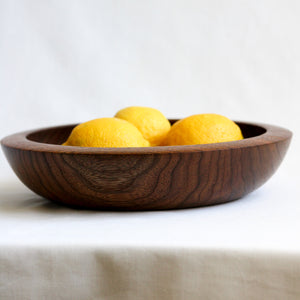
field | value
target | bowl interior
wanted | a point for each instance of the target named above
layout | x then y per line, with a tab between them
58	135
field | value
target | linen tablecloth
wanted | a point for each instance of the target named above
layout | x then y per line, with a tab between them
246	249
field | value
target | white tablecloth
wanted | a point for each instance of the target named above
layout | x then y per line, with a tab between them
246	249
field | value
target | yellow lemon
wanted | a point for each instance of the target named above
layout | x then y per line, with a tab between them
106	132
150	122
203	129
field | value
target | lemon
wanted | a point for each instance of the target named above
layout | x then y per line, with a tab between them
106	132
150	122
203	129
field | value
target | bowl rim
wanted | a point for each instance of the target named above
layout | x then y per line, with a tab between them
271	135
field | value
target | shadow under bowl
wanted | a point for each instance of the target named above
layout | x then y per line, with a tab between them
150	178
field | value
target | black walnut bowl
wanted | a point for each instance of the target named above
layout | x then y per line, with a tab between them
150	178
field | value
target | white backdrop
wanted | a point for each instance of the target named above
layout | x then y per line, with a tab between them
72	61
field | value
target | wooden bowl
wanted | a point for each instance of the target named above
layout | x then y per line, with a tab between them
148	178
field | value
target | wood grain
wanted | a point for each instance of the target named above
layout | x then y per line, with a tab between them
145	178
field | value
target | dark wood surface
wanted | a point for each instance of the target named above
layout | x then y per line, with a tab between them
145	178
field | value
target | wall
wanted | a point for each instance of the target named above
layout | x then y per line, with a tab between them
71	61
